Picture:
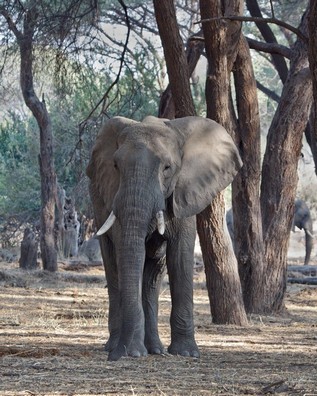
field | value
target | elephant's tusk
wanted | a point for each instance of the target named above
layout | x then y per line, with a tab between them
107	224
160	222
309	233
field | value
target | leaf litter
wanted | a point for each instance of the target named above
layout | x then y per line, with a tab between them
53	329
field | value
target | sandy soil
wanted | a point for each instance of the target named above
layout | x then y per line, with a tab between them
53	328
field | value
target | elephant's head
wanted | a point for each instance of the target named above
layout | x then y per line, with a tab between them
190	158
136	167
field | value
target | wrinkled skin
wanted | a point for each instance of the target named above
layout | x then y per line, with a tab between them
302	219
138	169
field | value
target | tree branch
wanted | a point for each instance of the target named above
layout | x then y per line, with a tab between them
268	92
270	48
259	20
12	26
125	48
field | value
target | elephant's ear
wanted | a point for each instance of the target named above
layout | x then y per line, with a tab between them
210	163
100	168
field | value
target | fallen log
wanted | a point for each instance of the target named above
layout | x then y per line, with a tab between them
303	281
78	265
95	263
303	269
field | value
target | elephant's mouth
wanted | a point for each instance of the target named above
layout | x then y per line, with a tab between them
112	218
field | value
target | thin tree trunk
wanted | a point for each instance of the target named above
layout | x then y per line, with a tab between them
221	264
48	177
279	172
194	49
175	57
28	257
222	279
312	54
245	189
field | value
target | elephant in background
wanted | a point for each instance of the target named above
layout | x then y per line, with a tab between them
230	225
302	219
148	180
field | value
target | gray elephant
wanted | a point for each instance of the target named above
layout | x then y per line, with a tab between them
302	220
230	225
148	180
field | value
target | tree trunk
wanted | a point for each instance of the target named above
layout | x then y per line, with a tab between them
48	177
60	226
175	57
279	172
312	54
28	258
221	264
68	226
224	288
245	189
177	68
194	49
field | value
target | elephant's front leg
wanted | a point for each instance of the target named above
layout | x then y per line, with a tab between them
154	271
114	319
180	263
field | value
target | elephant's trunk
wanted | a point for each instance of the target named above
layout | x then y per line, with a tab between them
131	261
309	245
134	221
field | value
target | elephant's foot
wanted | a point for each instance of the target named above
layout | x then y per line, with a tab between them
154	346
111	343
184	346
117	353
135	349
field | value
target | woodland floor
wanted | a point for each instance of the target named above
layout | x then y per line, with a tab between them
53	328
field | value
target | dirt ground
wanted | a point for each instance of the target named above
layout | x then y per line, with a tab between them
53	328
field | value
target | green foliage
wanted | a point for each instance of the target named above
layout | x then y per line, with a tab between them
137	94
69	102
19	176
75	79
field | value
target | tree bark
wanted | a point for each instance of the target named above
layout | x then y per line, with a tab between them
68	226
175	57
221	264
312	54
222	279
194	49
279	172
245	188
28	257
47	172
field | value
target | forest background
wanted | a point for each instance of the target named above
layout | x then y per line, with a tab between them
73	85
93	60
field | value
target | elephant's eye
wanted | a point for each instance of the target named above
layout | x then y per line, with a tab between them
115	165
166	168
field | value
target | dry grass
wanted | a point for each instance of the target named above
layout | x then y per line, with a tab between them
52	331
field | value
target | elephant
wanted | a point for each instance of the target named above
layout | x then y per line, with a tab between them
230	225
148	180
302	219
